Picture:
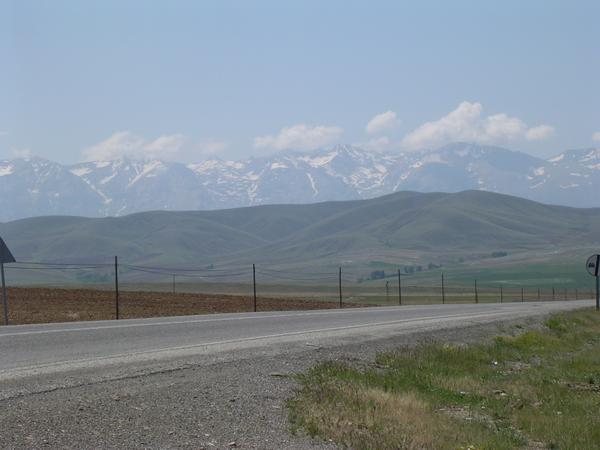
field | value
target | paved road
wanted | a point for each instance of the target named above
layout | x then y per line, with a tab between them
204	381
37	349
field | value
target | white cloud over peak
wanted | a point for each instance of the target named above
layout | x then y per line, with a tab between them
382	122
379	144
129	145
467	123
22	153
300	137
211	147
596	136
539	133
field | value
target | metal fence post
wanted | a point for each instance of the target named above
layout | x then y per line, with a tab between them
476	293
4	298
254	284
597	293
539	295
340	285
553	294
522	296
443	292
501	295
116	288
399	288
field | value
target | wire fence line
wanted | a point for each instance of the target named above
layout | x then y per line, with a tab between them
346	286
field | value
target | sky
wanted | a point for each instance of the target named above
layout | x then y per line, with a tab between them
190	80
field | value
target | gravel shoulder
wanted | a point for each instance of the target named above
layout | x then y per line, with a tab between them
220	400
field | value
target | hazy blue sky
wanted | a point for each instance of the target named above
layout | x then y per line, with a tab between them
184	80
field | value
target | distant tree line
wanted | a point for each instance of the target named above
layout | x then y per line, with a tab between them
381	274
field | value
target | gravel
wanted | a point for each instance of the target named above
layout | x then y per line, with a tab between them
236	399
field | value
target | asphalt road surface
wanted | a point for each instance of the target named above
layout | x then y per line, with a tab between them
37	349
207	382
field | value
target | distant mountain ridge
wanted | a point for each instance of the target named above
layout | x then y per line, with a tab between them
36	187
401	227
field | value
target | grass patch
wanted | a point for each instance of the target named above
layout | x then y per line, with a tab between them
538	389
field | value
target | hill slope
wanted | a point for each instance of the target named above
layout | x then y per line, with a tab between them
400	227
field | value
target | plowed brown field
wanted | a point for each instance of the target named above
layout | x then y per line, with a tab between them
43	305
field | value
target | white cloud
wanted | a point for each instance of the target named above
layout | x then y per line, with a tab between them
466	123
300	137
377	144
130	145
596	136
22	153
539	133
211	147
382	122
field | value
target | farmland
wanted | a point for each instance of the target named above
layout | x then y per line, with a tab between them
43	305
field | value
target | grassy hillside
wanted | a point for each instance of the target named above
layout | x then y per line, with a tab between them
405	228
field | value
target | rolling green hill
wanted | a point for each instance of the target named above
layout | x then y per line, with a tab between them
401	228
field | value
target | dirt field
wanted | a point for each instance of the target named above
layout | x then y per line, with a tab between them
43	305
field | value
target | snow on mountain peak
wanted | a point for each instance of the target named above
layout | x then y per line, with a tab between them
123	186
6	169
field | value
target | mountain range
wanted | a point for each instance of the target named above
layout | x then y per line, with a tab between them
36	187
404	227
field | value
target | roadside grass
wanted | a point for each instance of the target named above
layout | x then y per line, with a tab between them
537	389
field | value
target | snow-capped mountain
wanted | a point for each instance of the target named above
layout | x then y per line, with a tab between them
33	186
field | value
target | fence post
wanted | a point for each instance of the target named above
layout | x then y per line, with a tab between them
173	283
522	296
116	288
576	294
4	299
501	295
387	291
399	288
476	293
553	294
443	292
340	285
254	284
539	295
597	293
566	296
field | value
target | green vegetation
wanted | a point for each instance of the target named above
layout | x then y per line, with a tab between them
538	389
403	229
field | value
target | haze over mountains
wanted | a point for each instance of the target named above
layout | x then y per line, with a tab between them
36	187
404	227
